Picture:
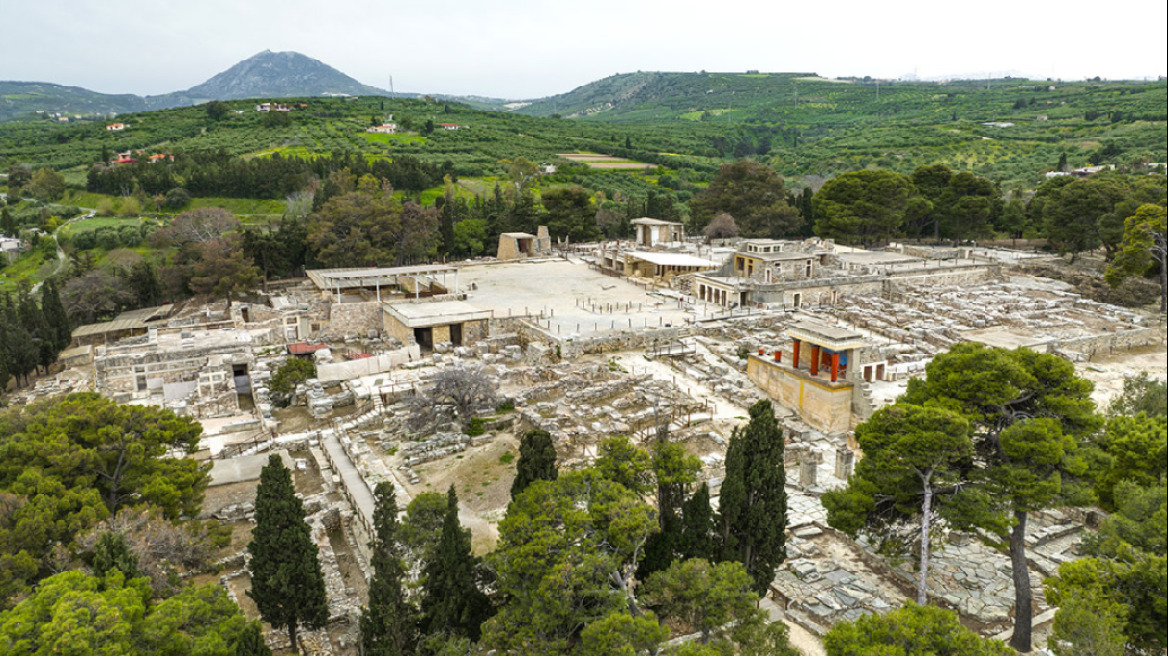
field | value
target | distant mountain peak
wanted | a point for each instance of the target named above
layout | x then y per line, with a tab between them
277	75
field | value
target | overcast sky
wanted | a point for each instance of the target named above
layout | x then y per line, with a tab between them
527	49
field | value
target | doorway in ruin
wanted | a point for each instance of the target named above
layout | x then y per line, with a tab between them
425	338
797	299
242	386
456	334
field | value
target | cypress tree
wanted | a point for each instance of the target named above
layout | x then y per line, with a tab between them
112	552
387	622
55	316
286	581
20	347
698	529
753	501
451	600
675	471
42	351
8	223
537	461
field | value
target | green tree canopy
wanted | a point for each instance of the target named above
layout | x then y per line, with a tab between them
1115	600
1145	242
910	631
369	227
717	601
1030	416
570	213
909	453
90	442
77	613
865	207
753	194
567	550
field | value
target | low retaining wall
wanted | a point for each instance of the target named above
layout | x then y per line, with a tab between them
1124	340
352	319
336	371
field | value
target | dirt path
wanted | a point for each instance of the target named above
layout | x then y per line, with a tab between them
1108	372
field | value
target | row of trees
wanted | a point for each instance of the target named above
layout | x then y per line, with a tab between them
31	334
600	561
217	173
987	438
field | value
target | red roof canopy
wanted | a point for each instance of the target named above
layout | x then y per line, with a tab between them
304	348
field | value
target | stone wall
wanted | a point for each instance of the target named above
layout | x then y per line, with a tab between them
334	371
353	319
945	275
825	406
1097	345
621	341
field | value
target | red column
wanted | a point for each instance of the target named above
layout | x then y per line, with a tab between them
834	367
795	353
761	350
778	355
814	359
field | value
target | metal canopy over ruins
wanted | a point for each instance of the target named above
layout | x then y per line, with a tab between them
404	279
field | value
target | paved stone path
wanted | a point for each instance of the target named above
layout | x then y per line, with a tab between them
361	495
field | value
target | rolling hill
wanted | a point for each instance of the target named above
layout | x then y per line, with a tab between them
265	75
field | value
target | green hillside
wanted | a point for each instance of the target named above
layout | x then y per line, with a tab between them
1007	130
26	98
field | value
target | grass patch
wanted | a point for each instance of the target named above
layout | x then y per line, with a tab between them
507	458
476	427
86	225
241	205
27	267
390	139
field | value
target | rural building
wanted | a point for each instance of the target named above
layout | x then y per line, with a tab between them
384	128
115	127
10	247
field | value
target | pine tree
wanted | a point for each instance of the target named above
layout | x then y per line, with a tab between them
753	501
387	623
286	581
251	641
537	461
698	529
451	600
